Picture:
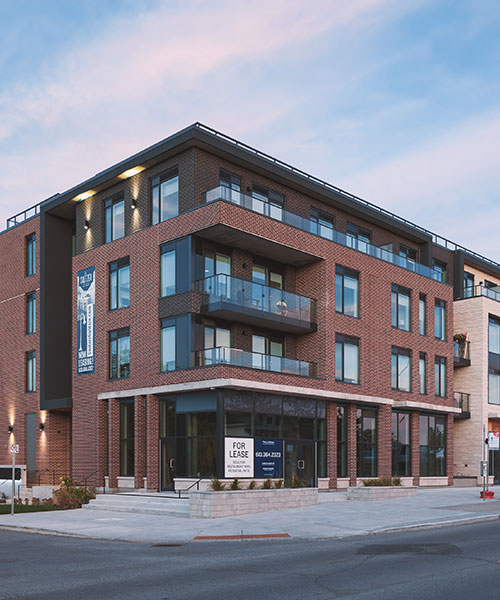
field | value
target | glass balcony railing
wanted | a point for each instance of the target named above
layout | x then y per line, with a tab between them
462	401
253	360
481	290
273	211
461	354
254	298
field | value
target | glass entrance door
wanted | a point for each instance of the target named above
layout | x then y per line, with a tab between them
300	464
167	463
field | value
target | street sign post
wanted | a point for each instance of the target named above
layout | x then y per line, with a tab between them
13	449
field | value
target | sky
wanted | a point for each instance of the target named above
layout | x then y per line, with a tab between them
396	102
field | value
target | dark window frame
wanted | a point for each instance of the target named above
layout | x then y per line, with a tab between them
341	339
440	267
366	449
422	323
230	180
30	374
114	371
400	291
441	304
127	438
409	253
341	272
342	440
167	324
30	254
109	205
30	328
397	352
429	432
155	184
422	357
115	267
440	387
397	445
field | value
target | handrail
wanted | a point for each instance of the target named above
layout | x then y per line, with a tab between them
196	483
481	290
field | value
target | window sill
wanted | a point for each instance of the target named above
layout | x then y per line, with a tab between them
112	310
347	382
118	378
404	391
350	316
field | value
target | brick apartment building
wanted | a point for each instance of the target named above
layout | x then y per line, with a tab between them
202	296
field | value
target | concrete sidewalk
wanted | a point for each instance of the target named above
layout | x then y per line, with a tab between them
333	517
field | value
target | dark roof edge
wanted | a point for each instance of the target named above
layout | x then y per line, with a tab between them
478	261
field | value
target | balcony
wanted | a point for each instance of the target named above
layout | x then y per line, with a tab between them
279	214
462	401
481	290
253	360
461	354
236	299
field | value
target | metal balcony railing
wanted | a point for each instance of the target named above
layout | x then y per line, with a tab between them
273	211
253	360
241	294
462	401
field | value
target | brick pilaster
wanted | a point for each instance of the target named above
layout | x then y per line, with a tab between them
384	441
102	441
415	447
152	442
331	449
351	444
139	440
114	441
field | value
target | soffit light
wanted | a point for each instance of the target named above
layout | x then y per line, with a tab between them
84	195
131	172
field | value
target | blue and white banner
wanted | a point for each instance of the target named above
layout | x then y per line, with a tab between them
85	320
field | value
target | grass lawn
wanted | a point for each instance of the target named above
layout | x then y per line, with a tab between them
23	508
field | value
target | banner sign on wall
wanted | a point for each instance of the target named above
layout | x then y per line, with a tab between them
268	458
238	457
85	320
494	440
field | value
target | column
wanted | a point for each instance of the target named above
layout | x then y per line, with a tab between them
139	441
351	444
113	441
384	440
102	441
331	443
415	447
152	442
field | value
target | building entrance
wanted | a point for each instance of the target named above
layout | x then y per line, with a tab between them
300	464
167	463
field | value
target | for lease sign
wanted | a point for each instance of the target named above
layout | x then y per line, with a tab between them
238	457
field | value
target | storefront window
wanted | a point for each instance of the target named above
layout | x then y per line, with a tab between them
432	446
341	441
127	438
401	449
366	430
238	424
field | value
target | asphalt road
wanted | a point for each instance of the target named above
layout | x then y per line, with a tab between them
449	563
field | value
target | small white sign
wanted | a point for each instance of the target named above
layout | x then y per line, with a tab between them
238	457
494	440
14	448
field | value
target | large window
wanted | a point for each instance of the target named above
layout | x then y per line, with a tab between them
401	448
346	359
322	224
357	237
400	308
114	216
422	373
341	441
440	268
167	271
346	291
432	446
31	312
119	353
267	202
422	321
440	376
127	438
366	433
168	343
409	253
164	197
30	254
229	180
494	335
440	320
468	284
493	360
119	284
31	371
401	369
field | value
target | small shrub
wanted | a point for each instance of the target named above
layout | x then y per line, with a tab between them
26	501
35	502
382	482
278	484
252	485
47	502
3	495
235	484
216	485
297	482
268	484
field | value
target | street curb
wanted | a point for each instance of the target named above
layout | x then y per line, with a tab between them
438	525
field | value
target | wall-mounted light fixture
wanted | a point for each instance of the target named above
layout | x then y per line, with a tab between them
10	429
133	204
41	426
86	225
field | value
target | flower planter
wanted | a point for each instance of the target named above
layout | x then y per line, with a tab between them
210	505
380	492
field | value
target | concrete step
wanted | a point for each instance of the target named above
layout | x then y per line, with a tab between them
139	504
